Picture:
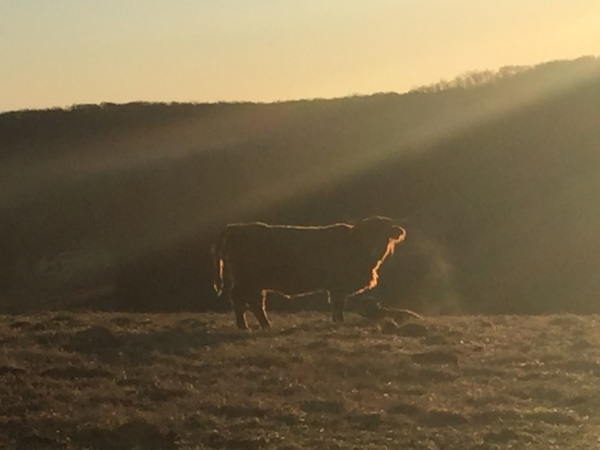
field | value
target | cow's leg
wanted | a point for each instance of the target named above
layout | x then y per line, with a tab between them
240	316
239	307
257	306
338	302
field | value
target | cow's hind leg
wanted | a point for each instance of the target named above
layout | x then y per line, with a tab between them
239	307
257	306
240	316
337	307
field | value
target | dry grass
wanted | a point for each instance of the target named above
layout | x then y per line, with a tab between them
191	381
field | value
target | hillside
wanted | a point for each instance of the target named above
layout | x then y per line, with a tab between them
495	177
191	381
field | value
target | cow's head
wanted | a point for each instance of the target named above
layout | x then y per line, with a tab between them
378	235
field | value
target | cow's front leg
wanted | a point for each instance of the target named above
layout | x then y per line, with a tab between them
338	302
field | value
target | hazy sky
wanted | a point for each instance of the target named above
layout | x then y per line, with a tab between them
64	52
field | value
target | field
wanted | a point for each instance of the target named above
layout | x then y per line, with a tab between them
192	381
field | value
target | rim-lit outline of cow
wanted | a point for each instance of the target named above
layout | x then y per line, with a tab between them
251	259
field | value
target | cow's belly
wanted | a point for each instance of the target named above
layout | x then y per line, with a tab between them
283	283
300	280
294	288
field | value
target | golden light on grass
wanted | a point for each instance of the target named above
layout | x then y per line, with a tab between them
88	380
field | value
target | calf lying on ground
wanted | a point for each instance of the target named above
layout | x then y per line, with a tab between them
341	259
370	308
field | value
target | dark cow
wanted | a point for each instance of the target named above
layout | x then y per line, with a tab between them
341	259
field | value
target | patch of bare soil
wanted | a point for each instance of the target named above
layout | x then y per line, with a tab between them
192	381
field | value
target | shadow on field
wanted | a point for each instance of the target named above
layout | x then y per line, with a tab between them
139	345
51	434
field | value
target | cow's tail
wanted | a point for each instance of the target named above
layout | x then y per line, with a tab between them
219	264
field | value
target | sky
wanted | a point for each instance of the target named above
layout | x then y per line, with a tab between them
66	52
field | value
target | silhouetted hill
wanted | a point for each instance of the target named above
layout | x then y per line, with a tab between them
494	175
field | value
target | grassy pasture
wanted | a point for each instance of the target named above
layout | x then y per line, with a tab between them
192	381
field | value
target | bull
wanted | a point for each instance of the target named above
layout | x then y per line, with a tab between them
342	260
